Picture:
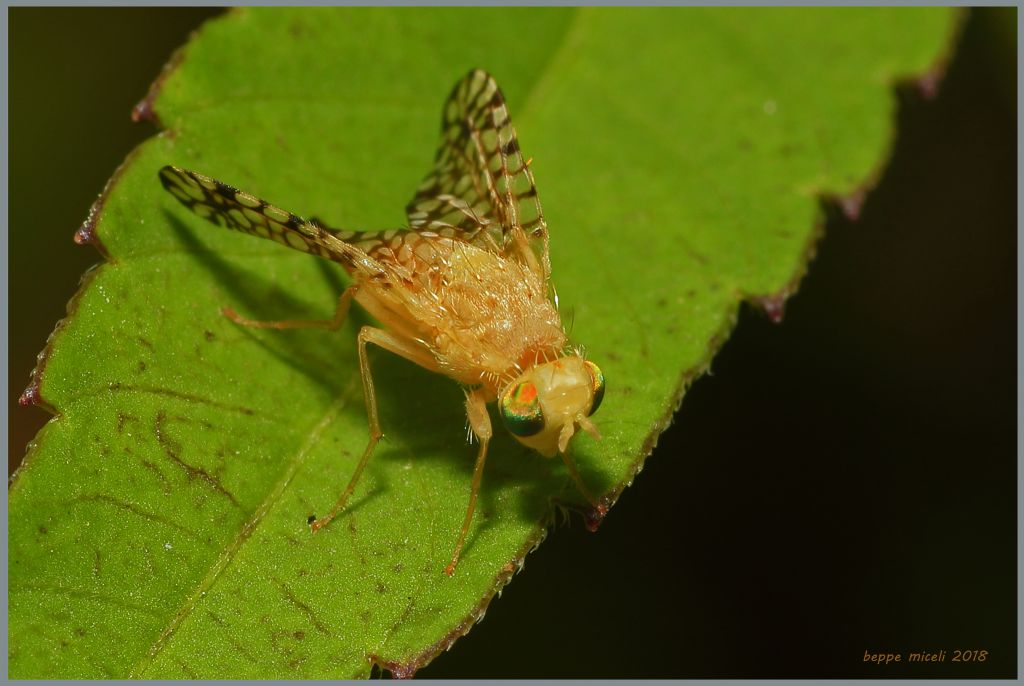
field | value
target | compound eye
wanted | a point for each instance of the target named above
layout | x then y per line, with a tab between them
520	410
596	385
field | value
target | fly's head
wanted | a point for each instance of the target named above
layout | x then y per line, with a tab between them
546	405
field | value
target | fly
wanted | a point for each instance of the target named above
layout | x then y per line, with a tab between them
464	291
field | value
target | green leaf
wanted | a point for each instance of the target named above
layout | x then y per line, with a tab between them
158	525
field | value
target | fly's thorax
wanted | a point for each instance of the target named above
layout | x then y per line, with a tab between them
480	313
544	406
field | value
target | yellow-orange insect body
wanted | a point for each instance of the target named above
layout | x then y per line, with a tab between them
463	292
484	318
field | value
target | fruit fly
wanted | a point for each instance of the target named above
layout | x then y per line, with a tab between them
464	291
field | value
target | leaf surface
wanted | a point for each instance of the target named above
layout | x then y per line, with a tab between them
158	525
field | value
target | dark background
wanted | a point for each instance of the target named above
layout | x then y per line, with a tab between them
843	482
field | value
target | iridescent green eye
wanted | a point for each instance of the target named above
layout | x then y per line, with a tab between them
596	385
520	410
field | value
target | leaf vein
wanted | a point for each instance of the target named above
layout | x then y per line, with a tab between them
245	532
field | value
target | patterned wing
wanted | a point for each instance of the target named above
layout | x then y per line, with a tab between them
231	208
481	188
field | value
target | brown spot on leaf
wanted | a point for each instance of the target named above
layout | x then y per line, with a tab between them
185	419
138	511
171	449
178	395
303	607
165	484
189	672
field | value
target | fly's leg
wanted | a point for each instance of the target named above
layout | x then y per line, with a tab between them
600	508
330	324
391	343
480	422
